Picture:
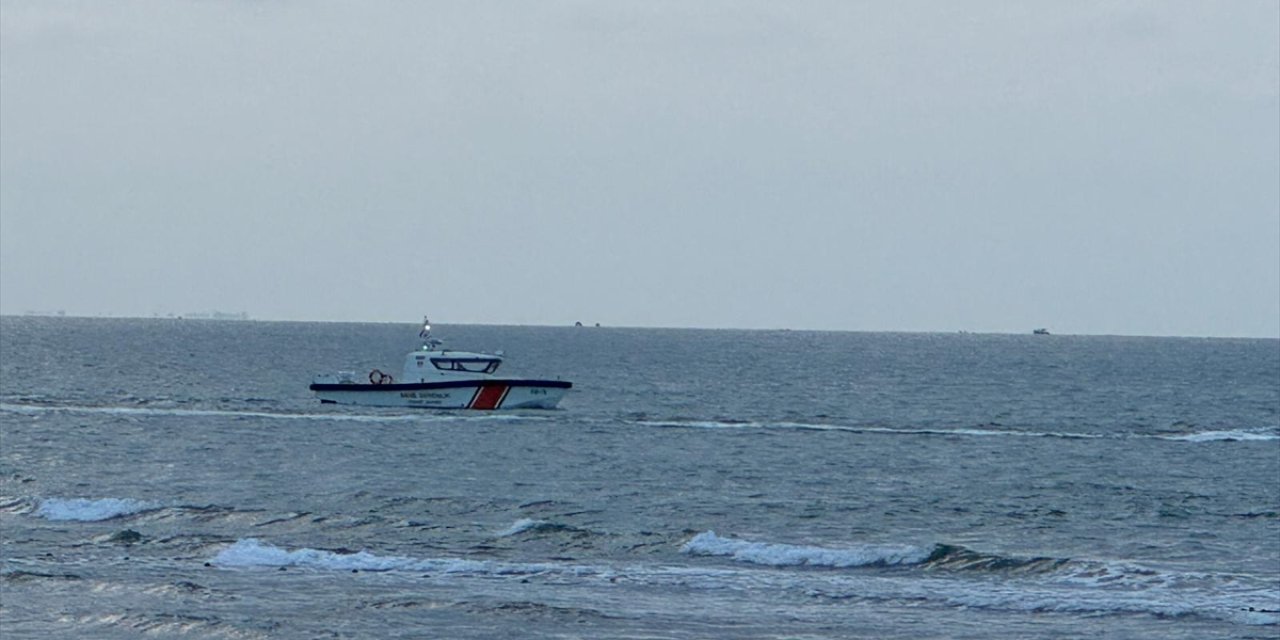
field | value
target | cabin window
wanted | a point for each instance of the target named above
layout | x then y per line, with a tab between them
473	365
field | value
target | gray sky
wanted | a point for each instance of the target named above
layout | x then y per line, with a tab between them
917	166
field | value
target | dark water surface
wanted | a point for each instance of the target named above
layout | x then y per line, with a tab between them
174	478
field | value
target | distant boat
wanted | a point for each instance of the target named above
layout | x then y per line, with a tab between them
1041	332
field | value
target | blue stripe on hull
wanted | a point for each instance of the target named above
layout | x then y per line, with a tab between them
451	384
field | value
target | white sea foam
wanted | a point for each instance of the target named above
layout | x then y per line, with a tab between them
811	426
250	552
1223	436
418	416
1172	597
522	525
1238	435
699	424
708	543
89	510
1081	587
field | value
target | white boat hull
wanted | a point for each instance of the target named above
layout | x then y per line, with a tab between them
486	394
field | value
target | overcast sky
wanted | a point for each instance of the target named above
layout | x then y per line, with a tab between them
1104	168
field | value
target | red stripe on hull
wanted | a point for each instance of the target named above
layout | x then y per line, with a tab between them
489	397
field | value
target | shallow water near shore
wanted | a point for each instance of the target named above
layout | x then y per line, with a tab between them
176	478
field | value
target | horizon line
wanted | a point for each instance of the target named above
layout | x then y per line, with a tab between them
245	317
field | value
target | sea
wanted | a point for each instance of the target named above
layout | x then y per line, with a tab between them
175	478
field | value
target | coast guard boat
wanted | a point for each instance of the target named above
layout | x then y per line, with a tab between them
436	378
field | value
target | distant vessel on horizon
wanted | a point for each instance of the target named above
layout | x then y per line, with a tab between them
216	315
1041	332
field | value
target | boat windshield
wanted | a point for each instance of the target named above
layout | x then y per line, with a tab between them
470	365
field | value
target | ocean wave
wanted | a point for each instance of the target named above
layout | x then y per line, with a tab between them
689	423
708	543
251	552
91	510
1103	574
946	575
1244	607
700	424
959	558
1032	583
947	557
417	417
15	505
522	525
986	433
1237	435
530	525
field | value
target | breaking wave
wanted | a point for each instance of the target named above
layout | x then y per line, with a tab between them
1030	584
938	557
251	552
91	510
958	558
708	543
530	525
522	525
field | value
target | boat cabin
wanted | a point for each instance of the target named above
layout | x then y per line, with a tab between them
422	366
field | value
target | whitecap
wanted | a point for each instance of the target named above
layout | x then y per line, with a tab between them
699	424
522	525
251	552
1223	436
89	510
708	543
900	431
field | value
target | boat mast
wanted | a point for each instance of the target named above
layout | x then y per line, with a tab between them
428	343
